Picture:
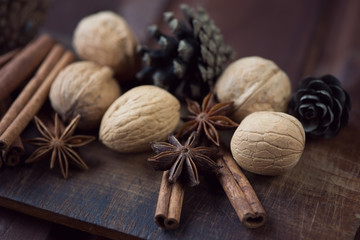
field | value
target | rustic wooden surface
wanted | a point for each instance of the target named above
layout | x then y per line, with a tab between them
116	198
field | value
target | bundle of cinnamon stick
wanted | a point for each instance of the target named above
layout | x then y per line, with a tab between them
49	59
169	205
235	185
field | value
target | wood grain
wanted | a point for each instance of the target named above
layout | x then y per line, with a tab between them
318	199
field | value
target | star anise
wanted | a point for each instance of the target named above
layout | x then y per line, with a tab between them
183	160
205	120
60	142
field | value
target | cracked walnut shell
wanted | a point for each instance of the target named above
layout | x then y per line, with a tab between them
254	84
142	115
268	143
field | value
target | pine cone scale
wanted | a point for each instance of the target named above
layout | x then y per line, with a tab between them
325	97
328	118
308	98
339	94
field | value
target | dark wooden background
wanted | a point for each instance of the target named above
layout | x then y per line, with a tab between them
318	199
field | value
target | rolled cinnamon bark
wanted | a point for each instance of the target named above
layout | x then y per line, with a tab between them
7	56
21	66
34	105
12	156
240	192
169	205
29	90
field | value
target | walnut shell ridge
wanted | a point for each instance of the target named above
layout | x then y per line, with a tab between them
107	39
84	88
254	84
142	115
268	143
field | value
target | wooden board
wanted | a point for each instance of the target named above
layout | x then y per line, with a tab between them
319	198
16	225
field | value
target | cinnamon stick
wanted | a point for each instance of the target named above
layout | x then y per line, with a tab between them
240	193
21	66
34	105
169	205
29	90
12	156
8	56
4	106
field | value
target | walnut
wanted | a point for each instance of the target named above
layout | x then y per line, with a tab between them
107	39
254	84
268	143
142	115
84	88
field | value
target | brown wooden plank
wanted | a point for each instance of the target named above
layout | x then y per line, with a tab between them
60	232
140	14
319	198
279	30
63	16
15	225
336	50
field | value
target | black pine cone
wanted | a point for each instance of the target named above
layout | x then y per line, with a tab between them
19	21
321	105
189	63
